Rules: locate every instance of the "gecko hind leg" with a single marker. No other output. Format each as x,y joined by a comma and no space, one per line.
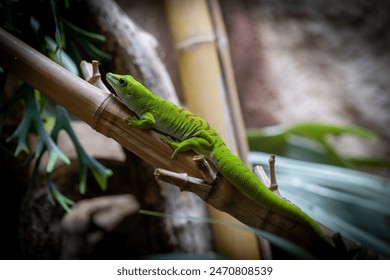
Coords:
199,145
170,141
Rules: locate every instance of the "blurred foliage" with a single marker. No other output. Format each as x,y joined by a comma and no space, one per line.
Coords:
313,174
311,142
354,203
52,27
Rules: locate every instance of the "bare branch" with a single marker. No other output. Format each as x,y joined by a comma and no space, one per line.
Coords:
92,74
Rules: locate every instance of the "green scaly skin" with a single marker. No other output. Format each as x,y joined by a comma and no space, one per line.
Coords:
194,133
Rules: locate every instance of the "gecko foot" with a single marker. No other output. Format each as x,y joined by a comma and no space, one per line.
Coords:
171,142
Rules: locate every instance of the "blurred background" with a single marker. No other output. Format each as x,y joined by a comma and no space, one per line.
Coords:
312,80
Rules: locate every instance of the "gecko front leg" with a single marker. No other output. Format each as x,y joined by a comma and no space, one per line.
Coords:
146,121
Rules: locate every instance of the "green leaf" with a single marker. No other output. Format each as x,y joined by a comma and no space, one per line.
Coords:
20,135
85,40
101,176
86,162
318,131
84,33
94,52
60,56
60,41
308,141
54,193
35,25
54,154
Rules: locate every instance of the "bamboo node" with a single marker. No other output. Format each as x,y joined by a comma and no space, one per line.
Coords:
187,43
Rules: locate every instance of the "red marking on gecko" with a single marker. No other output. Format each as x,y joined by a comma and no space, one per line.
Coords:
208,126
191,120
181,110
189,115
215,134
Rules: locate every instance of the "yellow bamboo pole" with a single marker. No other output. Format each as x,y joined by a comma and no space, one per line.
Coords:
226,67
204,90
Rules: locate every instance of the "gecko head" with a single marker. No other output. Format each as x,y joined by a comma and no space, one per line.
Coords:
122,84
134,94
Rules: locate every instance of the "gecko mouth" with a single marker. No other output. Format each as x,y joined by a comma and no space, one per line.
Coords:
111,77
112,80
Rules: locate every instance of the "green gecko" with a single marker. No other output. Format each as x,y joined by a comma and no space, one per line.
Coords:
189,132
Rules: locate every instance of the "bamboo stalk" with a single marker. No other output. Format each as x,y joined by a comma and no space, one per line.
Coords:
236,117
204,87
224,59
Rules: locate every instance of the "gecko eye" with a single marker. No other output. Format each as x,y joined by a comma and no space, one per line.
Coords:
122,82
